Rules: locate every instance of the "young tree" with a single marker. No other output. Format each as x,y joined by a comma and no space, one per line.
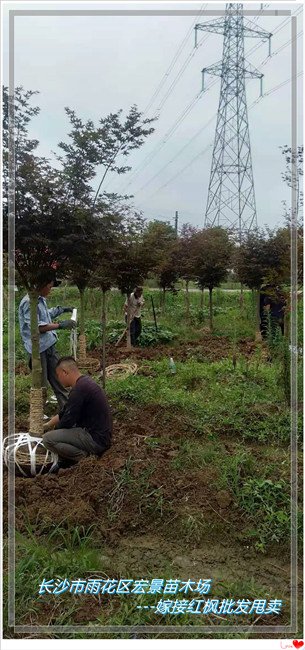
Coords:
79,245
93,148
264,259
160,241
186,251
167,273
90,150
40,223
108,242
212,260
250,266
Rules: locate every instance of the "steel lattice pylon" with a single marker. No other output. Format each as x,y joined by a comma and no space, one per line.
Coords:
231,198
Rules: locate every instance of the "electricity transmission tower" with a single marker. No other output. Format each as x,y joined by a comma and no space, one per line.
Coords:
231,198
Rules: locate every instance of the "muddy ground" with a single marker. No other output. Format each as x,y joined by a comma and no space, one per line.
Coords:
138,501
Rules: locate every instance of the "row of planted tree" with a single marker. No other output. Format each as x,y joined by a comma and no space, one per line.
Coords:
94,238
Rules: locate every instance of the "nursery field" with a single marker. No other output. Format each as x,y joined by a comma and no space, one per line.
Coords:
195,486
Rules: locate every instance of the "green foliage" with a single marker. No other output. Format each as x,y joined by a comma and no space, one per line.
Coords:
268,503
93,334
212,256
214,399
148,337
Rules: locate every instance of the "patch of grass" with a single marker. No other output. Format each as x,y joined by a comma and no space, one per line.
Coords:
195,454
234,468
268,504
193,527
214,399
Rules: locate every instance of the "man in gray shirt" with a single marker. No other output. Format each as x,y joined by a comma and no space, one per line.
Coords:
47,331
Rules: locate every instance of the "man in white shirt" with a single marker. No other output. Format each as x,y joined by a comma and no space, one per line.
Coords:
136,302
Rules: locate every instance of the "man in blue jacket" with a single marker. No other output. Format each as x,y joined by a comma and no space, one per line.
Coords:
47,330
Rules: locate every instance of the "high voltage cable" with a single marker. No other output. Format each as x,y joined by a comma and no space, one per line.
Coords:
167,136
179,152
180,73
138,170
173,62
269,58
187,144
184,65
170,131
201,153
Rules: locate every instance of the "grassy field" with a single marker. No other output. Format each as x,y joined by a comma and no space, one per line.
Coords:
196,484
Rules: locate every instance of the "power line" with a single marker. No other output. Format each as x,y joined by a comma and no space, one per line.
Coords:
167,136
179,152
190,141
173,84
201,153
138,170
173,62
149,157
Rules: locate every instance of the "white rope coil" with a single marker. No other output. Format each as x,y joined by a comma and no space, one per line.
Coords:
120,370
28,451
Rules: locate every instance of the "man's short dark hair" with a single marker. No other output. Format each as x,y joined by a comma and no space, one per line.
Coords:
46,277
69,361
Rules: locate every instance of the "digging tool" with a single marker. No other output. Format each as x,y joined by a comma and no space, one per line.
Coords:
154,313
121,338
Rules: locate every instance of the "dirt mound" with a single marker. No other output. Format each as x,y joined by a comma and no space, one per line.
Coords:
207,348
129,488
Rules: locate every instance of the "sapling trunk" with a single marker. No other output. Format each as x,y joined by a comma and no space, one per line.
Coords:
211,308
241,297
36,396
128,323
82,311
103,338
82,336
286,370
202,299
287,320
258,317
163,299
36,363
187,297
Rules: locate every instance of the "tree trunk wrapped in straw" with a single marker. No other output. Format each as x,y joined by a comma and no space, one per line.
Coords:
36,394
36,411
84,362
82,345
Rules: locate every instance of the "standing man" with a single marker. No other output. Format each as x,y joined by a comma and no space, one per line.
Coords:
47,329
84,426
136,302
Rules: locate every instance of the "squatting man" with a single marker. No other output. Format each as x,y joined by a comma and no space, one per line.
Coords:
84,426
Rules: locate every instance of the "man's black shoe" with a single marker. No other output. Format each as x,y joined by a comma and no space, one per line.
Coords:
62,464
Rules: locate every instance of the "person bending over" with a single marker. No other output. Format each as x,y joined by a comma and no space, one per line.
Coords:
84,425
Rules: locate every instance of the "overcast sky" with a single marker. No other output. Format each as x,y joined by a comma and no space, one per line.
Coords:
97,65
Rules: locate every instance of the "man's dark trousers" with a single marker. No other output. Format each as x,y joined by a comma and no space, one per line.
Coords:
72,444
49,360
135,330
